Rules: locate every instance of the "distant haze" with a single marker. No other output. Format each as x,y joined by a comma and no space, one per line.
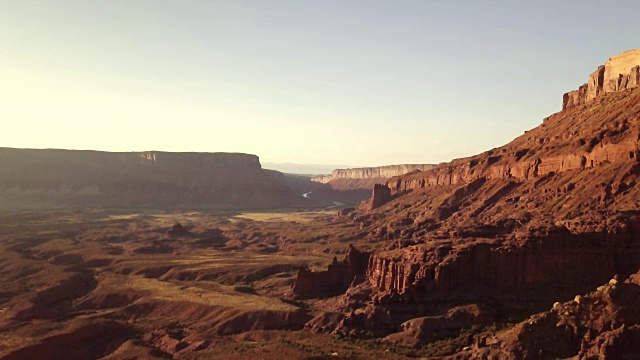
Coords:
308,82
306,169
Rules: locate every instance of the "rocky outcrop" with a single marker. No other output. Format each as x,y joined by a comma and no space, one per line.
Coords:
603,324
381,195
71,178
619,73
419,331
335,280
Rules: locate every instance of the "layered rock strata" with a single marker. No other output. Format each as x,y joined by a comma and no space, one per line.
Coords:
372,172
549,215
551,257
619,73
365,178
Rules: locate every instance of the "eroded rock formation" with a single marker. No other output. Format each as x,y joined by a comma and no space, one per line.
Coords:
619,73
336,279
381,195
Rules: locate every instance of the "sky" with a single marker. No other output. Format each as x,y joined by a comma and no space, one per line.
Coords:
309,81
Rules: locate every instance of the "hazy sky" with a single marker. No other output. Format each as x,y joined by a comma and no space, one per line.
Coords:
306,81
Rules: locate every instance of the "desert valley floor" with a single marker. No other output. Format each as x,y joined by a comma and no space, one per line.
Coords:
135,284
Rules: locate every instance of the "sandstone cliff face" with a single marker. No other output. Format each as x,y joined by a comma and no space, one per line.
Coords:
549,259
365,178
69,178
619,73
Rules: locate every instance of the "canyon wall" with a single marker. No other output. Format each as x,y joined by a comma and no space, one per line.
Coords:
554,257
507,232
619,73
366,178
551,214
372,172
70,178
467,170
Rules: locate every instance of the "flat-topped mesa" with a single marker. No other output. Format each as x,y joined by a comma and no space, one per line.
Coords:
55,178
619,73
201,160
378,172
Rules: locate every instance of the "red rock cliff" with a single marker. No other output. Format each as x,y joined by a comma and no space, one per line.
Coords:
548,215
365,178
372,172
544,258
619,73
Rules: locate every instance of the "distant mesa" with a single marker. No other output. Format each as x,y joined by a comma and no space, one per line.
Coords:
52,178
619,73
302,169
367,177
372,172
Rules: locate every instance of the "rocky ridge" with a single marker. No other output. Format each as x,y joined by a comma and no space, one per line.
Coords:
602,324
